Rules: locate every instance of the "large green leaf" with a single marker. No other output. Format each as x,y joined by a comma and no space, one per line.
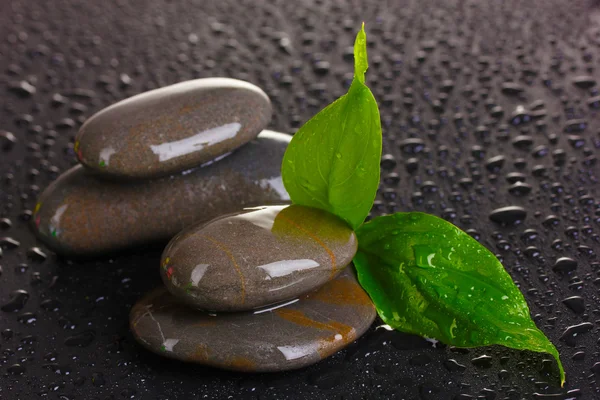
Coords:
429,278
332,162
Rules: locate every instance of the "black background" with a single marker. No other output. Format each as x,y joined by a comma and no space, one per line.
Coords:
71,339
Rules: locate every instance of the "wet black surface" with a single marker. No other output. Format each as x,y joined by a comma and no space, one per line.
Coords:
485,105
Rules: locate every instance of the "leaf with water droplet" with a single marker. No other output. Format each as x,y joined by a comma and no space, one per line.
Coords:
332,162
429,278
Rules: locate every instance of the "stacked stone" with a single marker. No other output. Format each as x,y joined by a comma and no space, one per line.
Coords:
264,289
161,161
267,288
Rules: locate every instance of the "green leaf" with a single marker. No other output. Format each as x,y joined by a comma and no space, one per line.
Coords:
332,162
429,278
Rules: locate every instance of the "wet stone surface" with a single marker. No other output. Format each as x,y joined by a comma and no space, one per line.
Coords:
292,336
83,56
82,215
261,256
172,129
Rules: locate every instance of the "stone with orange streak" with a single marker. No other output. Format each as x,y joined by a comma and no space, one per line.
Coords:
330,345
81,214
200,355
242,364
340,293
257,257
283,337
334,330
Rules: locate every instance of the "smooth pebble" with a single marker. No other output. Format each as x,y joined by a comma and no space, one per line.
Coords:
292,336
173,128
257,257
80,214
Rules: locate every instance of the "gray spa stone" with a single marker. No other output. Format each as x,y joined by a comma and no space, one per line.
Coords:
80,214
292,336
173,128
257,257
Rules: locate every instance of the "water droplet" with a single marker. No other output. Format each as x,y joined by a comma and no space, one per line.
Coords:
18,299
508,215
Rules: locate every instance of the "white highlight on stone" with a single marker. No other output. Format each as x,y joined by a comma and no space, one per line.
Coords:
197,273
275,289
263,217
286,267
275,184
206,164
55,220
295,352
275,307
209,137
170,343
105,155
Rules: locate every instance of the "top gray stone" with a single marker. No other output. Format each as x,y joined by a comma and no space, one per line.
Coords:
173,128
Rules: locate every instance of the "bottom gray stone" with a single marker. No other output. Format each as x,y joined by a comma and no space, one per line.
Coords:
293,335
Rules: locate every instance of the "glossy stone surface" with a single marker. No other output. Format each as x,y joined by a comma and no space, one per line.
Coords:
79,214
173,128
258,257
289,337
